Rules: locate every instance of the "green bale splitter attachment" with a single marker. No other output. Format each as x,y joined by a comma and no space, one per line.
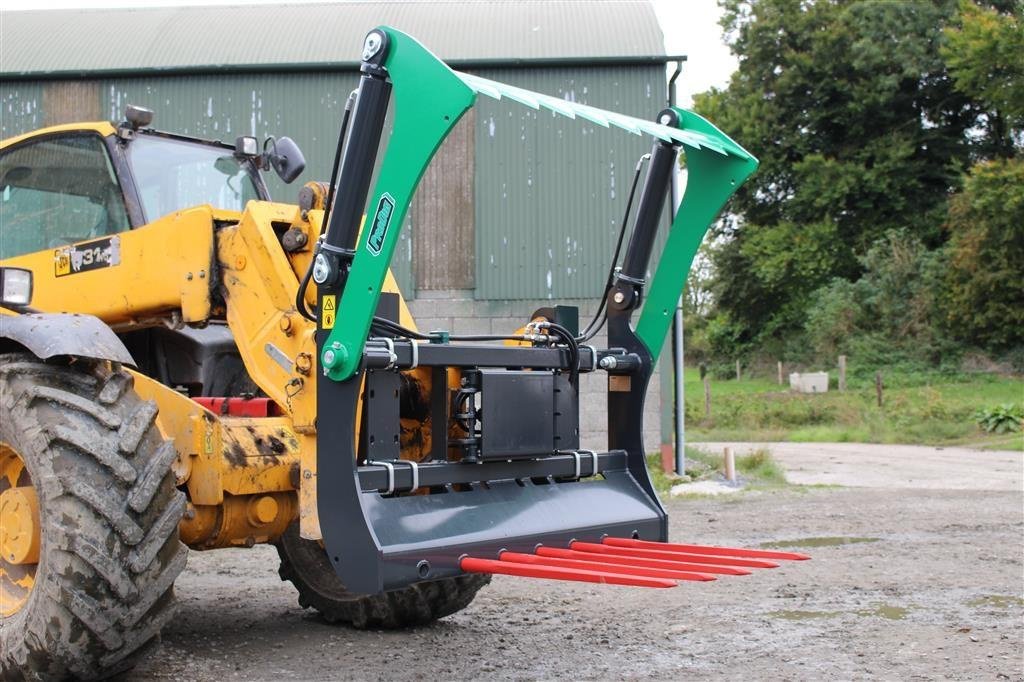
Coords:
505,487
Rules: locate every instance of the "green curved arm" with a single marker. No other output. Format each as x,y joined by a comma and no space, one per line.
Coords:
710,180
429,100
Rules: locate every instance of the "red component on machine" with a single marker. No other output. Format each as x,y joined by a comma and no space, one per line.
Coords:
637,561
237,407
537,560
623,561
705,549
471,565
672,556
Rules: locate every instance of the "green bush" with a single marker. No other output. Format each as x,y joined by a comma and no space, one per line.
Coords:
1005,418
985,300
890,315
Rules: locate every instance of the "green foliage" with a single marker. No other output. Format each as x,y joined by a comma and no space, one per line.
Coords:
920,406
757,469
864,115
889,315
985,53
761,466
1006,418
859,130
985,299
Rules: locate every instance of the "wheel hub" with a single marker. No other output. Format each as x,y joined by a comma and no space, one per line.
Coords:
19,525
20,535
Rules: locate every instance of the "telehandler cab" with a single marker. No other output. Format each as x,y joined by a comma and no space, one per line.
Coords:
185,363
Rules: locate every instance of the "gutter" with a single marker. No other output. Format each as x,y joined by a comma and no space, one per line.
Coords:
332,67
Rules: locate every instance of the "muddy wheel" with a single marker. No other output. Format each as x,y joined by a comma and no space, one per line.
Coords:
88,520
305,564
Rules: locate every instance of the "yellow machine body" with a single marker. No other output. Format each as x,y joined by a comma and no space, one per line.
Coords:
246,478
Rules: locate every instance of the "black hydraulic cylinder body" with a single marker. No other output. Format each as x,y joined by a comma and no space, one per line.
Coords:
652,202
360,156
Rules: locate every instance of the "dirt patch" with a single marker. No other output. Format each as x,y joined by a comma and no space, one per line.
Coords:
868,465
938,595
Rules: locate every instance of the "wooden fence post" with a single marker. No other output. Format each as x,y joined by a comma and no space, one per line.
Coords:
707,398
738,376
842,373
878,387
730,466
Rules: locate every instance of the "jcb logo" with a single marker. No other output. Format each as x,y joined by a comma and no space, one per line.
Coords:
62,262
99,253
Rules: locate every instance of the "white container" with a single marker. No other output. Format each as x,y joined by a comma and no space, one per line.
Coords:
809,382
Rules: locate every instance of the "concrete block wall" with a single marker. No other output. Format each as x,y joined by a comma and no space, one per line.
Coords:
460,313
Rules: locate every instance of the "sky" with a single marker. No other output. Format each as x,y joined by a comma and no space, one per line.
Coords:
690,28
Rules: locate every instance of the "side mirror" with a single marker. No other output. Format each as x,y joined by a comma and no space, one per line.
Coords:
287,159
15,287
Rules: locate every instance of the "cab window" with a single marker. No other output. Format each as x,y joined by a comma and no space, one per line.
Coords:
172,175
57,191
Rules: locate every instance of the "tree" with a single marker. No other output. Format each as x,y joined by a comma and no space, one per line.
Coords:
986,288
860,131
985,297
984,49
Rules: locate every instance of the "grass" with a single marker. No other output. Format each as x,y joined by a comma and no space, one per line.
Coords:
919,408
757,470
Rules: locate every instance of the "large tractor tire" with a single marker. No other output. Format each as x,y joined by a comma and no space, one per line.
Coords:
305,564
88,521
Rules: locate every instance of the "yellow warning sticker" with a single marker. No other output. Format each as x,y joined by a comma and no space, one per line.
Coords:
62,262
328,311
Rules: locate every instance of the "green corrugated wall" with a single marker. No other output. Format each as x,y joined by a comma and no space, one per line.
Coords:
549,191
21,107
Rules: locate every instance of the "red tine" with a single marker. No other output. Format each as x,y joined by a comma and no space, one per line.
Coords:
473,565
518,558
705,549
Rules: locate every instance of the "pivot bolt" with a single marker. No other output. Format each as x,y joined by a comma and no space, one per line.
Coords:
329,357
372,45
608,362
619,297
304,363
321,269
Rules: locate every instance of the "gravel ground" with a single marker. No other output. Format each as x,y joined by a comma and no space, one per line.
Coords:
933,590
865,465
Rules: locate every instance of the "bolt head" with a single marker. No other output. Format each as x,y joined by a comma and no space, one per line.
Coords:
321,269
329,357
372,45
619,297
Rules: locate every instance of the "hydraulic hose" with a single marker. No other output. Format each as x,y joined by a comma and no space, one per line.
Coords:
594,327
300,296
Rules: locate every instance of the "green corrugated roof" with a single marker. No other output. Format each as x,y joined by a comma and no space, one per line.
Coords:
265,37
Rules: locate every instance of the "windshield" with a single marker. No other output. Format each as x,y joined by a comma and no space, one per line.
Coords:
172,175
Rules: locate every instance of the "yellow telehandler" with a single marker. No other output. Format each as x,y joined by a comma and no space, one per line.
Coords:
184,363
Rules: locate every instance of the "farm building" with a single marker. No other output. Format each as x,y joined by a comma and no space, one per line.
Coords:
520,207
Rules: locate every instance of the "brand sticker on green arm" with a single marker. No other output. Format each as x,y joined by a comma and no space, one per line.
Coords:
381,222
